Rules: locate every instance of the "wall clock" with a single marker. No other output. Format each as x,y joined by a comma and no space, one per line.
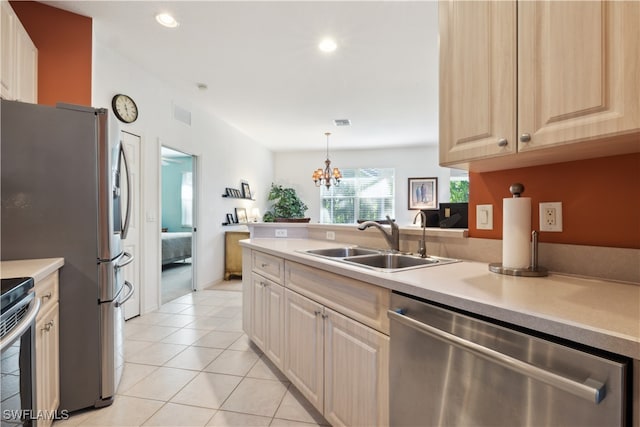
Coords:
124,108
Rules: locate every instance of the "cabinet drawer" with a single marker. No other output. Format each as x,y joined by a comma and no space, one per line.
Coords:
268,266
47,291
366,303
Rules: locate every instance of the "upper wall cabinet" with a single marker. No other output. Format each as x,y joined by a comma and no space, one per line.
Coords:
525,83
18,59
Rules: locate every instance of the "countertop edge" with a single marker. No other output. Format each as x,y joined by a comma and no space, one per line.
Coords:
36,268
608,340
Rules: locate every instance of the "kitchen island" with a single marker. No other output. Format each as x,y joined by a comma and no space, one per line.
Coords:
600,314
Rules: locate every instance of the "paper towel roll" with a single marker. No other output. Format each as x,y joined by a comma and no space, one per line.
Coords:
516,232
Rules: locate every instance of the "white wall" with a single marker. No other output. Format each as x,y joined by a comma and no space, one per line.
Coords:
294,169
224,156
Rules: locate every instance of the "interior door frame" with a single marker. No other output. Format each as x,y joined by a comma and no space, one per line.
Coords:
195,202
140,225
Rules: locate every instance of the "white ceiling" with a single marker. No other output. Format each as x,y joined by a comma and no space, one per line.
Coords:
266,76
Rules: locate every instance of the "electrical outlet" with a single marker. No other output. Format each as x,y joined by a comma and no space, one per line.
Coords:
551,216
331,235
281,232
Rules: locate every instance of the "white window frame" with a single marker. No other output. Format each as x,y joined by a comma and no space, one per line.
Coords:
328,194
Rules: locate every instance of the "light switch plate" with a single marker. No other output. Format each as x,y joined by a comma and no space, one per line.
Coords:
484,217
281,232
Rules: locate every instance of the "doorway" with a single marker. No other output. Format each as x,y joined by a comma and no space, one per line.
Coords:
178,230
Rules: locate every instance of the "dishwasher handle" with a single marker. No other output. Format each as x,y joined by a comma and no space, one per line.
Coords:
590,389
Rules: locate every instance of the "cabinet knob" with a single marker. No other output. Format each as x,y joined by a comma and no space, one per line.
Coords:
48,326
263,265
46,296
525,137
316,312
502,142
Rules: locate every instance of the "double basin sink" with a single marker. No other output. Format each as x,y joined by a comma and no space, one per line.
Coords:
377,259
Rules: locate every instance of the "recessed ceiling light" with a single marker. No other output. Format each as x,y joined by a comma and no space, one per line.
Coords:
166,20
327,45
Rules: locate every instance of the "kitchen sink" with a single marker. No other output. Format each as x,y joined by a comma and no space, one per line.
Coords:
378,259
342,252
397,262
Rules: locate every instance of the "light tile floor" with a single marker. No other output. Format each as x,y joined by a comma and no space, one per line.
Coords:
190,364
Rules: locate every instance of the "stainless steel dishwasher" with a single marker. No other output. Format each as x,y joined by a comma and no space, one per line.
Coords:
451,369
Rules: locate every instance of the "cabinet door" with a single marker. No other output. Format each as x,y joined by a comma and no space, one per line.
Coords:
577,70
274,318
477,79
47,363
247,288
303,346
356,373
258,316
26,77
7,50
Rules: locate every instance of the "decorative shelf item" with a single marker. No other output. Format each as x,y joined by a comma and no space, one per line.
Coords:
234,193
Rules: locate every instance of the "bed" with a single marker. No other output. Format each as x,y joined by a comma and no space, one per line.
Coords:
175,247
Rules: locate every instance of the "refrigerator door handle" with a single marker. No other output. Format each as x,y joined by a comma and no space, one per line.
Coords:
127,296
127,262
127,218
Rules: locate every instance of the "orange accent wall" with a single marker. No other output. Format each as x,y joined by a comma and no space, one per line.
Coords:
600,199
64,41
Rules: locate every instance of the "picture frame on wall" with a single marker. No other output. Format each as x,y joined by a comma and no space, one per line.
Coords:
241,215
423,193
246,191
230,218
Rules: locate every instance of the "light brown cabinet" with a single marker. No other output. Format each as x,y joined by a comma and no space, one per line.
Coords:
19,58
338,364
233,253
537,82
47,348
327,333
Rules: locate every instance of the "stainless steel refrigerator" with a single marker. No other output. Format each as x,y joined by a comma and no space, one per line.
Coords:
64,194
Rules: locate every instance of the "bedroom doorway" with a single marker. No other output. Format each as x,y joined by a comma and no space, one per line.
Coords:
178,190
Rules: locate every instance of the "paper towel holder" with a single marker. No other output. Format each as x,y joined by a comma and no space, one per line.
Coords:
534,270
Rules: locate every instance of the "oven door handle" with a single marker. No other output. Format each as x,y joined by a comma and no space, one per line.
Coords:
126,297
24,324
591,390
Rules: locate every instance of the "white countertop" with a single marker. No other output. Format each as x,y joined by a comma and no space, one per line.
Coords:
36,268
597,313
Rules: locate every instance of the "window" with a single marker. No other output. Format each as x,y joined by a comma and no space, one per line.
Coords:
459,189
186,195
362,194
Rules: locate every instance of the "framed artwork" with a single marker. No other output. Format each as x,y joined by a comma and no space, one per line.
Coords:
228,191
230,218
423,193
241,215
246,191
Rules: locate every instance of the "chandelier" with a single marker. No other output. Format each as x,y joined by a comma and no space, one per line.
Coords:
327,176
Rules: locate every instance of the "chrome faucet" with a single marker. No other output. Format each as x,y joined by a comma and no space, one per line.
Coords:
393,238
422,244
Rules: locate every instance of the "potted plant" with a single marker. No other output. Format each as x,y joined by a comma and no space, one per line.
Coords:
287,206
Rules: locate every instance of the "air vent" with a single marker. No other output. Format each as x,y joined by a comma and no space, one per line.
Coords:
182,115
342,122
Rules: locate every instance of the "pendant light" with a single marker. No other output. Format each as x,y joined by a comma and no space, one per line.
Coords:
327,176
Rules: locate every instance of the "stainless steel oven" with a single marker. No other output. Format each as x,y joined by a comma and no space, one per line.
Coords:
452,369
17,344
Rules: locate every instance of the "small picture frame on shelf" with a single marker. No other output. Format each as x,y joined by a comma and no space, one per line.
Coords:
241,215
230,218
246,191
228,192
236,193
423,193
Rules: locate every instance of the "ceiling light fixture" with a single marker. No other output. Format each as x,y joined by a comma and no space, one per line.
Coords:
327,45
328,176
166,20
